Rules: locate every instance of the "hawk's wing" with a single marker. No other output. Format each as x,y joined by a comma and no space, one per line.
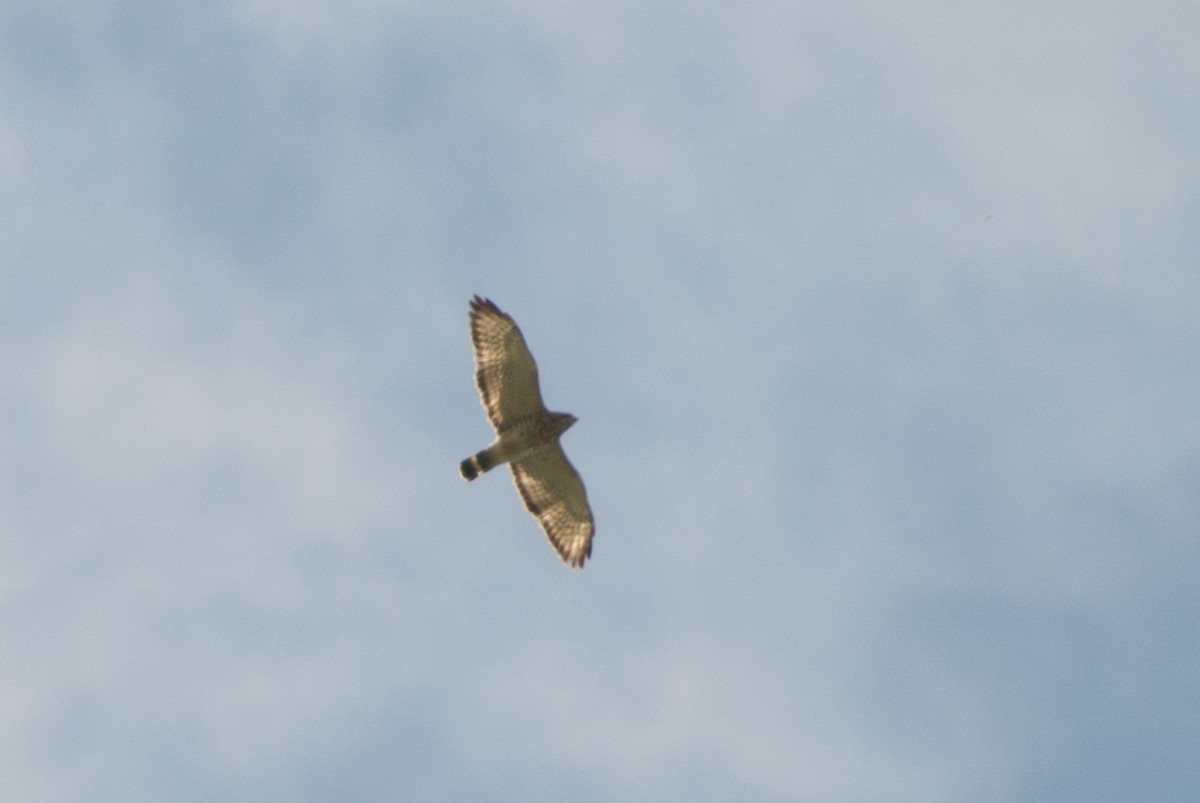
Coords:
505,372
553,492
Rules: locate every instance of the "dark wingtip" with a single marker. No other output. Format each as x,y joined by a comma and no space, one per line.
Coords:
574,561
479,304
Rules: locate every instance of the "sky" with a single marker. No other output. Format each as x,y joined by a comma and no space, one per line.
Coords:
881,322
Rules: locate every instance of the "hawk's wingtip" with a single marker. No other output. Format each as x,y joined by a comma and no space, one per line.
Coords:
577,560
480,303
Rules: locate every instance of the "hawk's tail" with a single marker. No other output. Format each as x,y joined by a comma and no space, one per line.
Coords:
476,464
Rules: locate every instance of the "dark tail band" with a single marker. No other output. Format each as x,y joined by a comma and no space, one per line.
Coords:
475,465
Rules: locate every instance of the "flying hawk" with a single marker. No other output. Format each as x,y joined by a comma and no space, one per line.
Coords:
527,434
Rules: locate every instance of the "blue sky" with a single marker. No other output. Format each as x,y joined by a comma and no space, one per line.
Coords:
882,323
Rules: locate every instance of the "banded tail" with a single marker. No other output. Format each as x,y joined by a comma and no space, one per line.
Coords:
476,464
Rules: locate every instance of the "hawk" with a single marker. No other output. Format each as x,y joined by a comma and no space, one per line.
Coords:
526,434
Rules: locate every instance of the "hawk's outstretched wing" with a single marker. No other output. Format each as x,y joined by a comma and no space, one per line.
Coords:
553,492
505,372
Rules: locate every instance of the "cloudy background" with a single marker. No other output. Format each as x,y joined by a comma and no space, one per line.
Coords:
882,323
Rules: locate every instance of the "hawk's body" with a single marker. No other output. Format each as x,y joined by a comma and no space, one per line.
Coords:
526,434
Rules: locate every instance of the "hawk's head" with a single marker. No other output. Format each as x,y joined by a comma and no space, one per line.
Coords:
561,422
